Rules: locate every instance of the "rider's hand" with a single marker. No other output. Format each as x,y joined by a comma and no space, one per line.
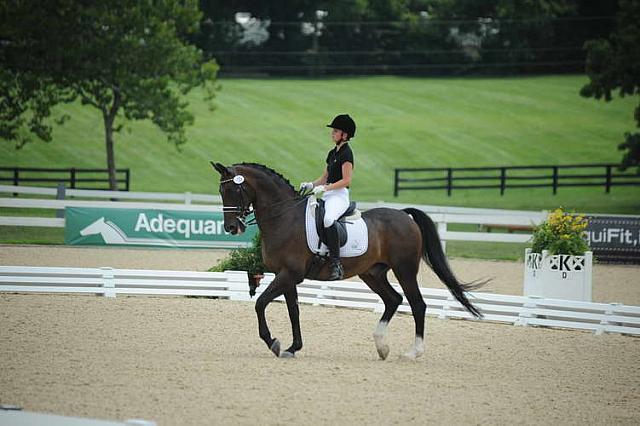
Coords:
318,191
306,186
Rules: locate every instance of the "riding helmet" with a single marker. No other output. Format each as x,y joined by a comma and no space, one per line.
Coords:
345,123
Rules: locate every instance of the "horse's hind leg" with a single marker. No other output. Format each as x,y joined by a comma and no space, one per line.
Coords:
376,279
406,275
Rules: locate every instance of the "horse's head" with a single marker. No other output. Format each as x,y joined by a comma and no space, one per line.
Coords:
237,197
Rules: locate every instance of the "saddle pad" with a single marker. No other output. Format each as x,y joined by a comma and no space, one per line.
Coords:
357,234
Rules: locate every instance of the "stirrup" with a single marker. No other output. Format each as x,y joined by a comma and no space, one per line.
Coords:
336,270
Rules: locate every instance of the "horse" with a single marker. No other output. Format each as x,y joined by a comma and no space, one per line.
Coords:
398,239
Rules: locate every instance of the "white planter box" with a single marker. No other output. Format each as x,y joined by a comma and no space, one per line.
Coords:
559,276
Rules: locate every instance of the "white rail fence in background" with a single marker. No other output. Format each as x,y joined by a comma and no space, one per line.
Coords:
443,216
516,310
186,197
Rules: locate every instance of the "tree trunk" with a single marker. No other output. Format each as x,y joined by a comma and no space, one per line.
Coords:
111,159
109,117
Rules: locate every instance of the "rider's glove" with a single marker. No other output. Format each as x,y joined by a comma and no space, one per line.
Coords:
306,186
318,191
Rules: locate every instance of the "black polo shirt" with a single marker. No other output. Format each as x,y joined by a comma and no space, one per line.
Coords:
335,160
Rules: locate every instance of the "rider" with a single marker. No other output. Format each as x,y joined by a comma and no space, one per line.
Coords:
333,186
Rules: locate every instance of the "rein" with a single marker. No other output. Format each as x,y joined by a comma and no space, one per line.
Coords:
243,210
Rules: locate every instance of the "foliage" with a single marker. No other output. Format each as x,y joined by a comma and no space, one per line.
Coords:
561,233
244,259
614,63
403,36
129,59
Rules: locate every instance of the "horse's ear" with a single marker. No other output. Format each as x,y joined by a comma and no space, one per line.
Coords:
220,168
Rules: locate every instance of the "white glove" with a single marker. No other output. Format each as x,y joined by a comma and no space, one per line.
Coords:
306,186
318,191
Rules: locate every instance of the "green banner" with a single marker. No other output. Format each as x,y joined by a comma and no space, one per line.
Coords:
167,228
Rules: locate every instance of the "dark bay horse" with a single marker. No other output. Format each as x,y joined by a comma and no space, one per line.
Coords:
398,239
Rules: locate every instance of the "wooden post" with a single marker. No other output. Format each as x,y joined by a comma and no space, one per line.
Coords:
395,182
607,184
60,194
555,180
442,230
449,181
503,177
72,179
108,282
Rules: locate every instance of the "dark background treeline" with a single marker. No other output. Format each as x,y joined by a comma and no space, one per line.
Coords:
421,37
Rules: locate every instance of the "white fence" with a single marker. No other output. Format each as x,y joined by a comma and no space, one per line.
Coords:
443,216
186,197
516,310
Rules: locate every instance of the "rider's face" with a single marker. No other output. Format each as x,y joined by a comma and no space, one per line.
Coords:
337,135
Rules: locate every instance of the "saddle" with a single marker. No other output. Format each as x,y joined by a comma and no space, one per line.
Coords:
349,215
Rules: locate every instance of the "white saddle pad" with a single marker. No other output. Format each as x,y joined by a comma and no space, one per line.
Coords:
357,234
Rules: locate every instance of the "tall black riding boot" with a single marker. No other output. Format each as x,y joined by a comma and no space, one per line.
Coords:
335,267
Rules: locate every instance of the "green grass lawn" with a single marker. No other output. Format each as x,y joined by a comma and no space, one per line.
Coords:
402,122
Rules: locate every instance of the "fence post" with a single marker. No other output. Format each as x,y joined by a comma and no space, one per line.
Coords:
238,285
442,230
503,177
555,180
108,282
445,308
60,194
525,313
127,177
395,182
16,179
607,320
72,173
188,197
449,181
607,184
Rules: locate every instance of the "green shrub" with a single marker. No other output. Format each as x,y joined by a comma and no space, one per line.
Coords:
244,259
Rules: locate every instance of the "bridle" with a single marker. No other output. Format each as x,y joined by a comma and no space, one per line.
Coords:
243,210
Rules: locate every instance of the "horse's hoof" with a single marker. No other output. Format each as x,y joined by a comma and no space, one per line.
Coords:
287,354
407,357
275,347
411,355
383,351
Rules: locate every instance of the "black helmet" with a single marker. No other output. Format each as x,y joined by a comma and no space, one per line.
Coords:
345,123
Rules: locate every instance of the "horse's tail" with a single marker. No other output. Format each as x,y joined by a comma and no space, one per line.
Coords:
433,254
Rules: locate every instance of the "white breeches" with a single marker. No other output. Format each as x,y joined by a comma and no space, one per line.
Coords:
336,202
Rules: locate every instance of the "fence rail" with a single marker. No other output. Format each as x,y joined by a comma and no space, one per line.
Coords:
510,177
72,177
517,218
515,310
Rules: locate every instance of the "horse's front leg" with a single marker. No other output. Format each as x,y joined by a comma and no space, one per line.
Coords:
291,296
278,286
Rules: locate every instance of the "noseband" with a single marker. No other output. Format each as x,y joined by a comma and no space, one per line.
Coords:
243,210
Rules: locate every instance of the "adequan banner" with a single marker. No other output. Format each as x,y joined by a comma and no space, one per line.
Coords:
164,228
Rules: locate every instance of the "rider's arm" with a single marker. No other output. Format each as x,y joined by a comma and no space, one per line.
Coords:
347,171
322,179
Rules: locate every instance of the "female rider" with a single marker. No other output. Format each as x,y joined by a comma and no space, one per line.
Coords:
333,186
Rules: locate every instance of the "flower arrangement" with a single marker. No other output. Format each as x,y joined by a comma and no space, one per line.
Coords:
561,233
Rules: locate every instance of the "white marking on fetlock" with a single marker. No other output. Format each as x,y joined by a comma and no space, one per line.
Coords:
378,337
416,351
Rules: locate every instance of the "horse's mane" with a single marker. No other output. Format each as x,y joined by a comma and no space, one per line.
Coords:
269,171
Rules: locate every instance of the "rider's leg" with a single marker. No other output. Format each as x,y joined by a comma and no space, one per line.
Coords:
336,203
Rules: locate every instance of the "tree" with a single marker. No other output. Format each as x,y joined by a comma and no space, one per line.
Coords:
127,58
614,64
